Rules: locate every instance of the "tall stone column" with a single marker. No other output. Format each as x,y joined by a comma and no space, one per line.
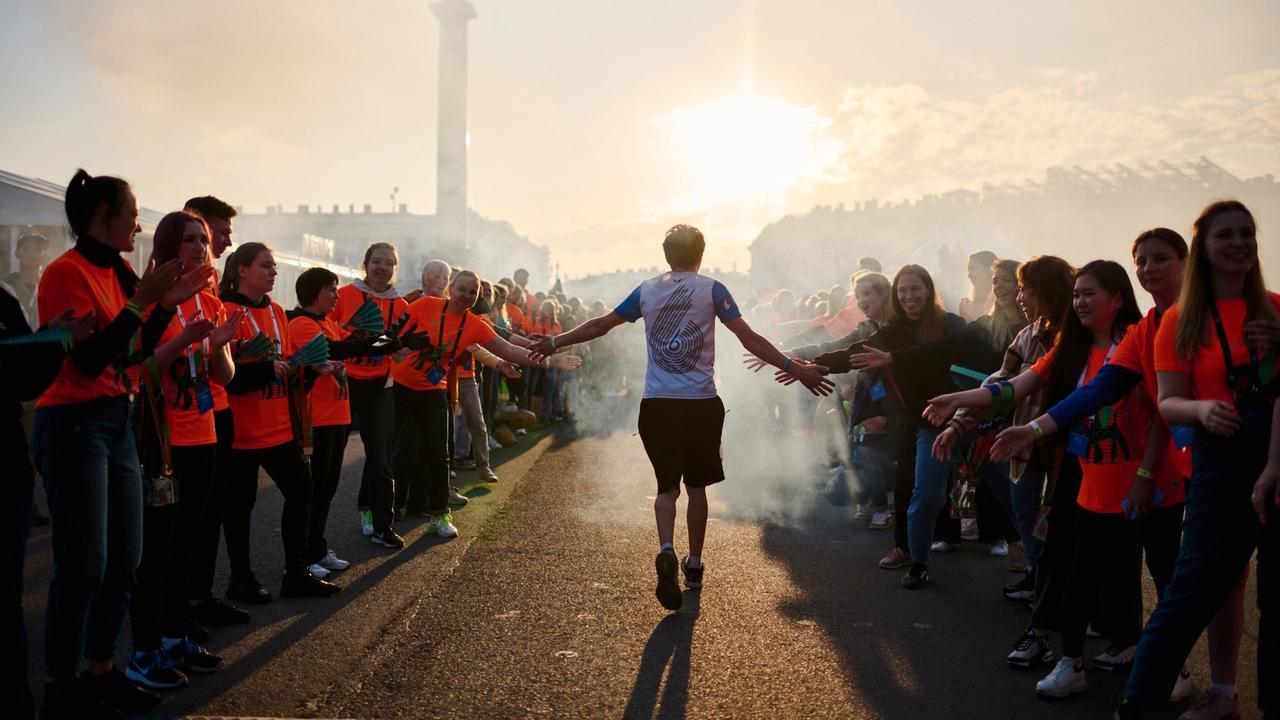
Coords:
451,127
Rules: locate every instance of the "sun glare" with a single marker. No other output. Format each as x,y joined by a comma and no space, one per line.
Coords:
745,149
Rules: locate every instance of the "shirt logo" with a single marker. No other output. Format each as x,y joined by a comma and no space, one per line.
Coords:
675,343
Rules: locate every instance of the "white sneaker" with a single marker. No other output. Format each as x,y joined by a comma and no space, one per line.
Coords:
1064,680
1115,658
522,431
366,522
942,546
330,561
1000,549
318,570
1213,705
1182,687
494,444
453,474
442,525
457,498
488,475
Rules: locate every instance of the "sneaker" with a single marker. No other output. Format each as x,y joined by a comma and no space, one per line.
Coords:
1090,632
247,589
366,522
488,475
861,512
692,575
155,670
189,656
318,570
942,546
969,529
916,577
494,444
304,584
442,525
120,692
881,520
1000,549
668,591
76,700
457,498
1115,658
1212,705
1063,680
1024,589
1182,687
387,538
522,431
1017,558
1031,649
332,562
453,475
215,611
895,558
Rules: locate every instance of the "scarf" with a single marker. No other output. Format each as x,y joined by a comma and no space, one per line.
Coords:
391,293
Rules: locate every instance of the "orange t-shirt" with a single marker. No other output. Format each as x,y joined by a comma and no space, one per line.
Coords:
71,281
1117,440
188,426
516,317
467,361
459,331
262,417
220,401
1208,370
1136,352
330,398
350,298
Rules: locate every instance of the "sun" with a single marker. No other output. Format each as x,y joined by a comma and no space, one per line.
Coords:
745,149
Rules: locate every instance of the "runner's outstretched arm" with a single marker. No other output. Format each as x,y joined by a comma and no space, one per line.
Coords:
811,376
587,331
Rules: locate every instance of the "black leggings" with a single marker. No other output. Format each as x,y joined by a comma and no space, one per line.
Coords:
170,536
287,469
1107,558
422,450
329,443
1054,566
208,528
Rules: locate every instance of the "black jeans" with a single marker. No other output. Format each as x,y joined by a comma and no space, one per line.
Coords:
1161,531
288,470
1056,556
1219,535
373,407
422,449
169,535
329,443
208,528
1107,559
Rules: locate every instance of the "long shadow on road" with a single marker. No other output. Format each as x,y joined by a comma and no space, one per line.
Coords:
667,653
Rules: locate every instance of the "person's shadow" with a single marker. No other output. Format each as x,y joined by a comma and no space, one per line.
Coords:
667,652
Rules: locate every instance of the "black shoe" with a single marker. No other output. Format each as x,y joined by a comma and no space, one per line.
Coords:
197,632
190,656
668,591
1024,589
75,701
304,584
917,575
218,612
692,576
121,693
38,519
247,589
387,538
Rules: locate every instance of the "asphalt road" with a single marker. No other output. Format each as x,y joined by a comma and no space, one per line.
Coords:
544,607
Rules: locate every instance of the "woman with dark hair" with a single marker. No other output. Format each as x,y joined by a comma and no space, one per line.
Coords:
1215,365
191,356
369,382
85,447
264,430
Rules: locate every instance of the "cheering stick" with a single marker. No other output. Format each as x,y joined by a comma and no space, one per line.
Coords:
367,318
258,346
315,352
59,335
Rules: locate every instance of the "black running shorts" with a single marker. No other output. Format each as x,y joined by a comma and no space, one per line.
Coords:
682,439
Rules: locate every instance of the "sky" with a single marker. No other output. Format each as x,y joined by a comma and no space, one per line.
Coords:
595,124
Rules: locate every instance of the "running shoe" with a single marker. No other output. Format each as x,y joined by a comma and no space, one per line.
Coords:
457,498
1212,705
387,538
442,525
155,670
1115,658
332,562
304,584
1063,680
488,475
318,570
1000,549
861,512
942,546
881,520
191,657
1182,687
668,590
692,575
1031,649
895,558
916,577
1024,589
366,522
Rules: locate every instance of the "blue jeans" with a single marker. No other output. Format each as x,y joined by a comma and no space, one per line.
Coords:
1021,503
927,497
89,463
1220,532
873,468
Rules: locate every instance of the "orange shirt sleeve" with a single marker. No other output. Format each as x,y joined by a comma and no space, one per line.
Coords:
1166,354
1044,365
1128,353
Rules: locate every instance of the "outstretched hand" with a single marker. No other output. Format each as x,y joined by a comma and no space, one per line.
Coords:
1013,442
940,409
813,377
870,358
540,347
566,363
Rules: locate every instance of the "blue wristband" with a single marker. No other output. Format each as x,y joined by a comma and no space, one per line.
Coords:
994,389
786,366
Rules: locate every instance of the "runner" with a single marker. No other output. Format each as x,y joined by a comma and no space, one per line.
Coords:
681,416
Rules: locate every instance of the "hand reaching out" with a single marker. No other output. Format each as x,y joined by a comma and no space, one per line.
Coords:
813,377
509,369
870,358
566,363
940,409
1013,442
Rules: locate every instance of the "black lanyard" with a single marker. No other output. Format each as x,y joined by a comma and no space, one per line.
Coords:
453,351
1232,377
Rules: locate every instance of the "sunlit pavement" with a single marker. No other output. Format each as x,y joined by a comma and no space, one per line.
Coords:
544,607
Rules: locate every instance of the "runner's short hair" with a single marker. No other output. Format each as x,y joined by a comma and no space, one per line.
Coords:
683,246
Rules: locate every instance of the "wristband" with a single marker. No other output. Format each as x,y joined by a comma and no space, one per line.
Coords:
553,343
546,363
134,308
786,366
1146,474
994,389
1035,428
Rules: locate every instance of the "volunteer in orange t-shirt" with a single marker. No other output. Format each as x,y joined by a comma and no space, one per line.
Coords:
438,331
1215,361
92,475
324,414
369,381
1111,449
264,431
191,356
472,419
546,323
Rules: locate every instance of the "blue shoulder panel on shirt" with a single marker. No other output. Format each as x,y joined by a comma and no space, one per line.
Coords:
726,308
629,310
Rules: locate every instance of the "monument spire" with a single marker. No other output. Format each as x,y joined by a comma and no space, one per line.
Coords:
451,126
